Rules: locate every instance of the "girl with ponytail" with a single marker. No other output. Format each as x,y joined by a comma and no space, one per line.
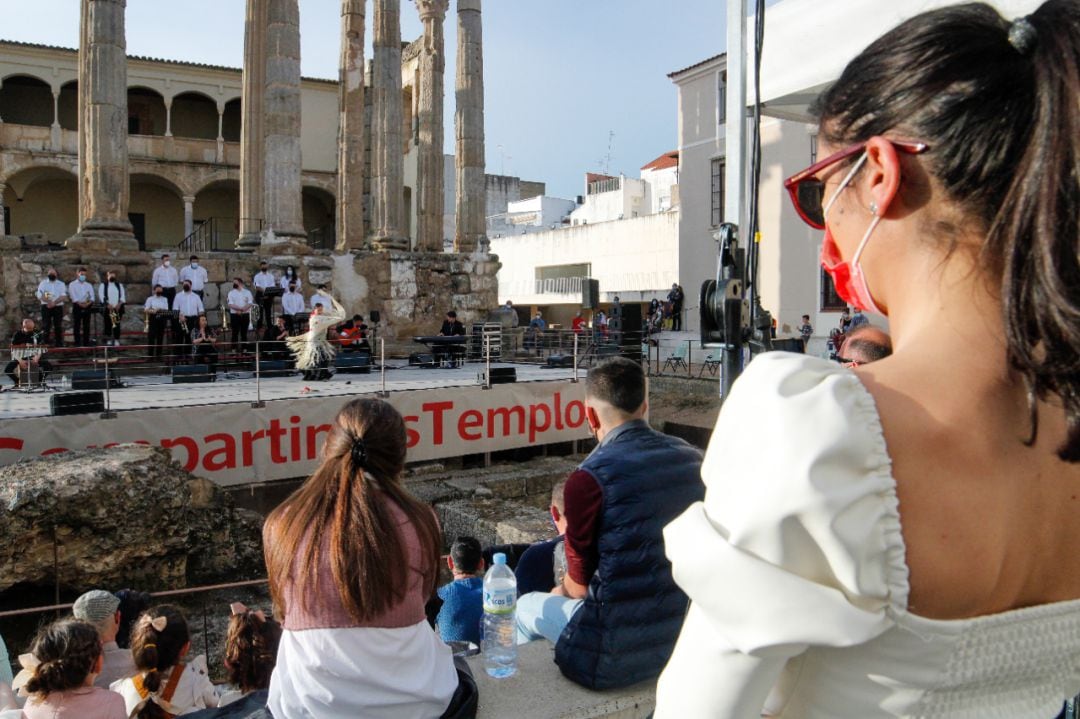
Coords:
165,685
58,675
909,548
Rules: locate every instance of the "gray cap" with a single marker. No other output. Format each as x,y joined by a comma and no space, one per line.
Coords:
95,606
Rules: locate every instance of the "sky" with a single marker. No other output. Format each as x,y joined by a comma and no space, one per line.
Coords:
560,75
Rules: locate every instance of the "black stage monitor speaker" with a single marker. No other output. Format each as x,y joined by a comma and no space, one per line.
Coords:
421,359
77,403
503,375
191,373
560,361
374,316
590,294
275,368
93,379
630,339
353,362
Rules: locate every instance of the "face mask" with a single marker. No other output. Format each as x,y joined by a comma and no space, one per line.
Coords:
262,269
848,277
236,286
194,265
292,288
157,294
165,263
82,278
187,288
52,278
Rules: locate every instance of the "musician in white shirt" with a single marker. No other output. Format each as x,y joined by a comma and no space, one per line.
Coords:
166,276
264,280
190,306
81,293
289,277
112,298
292,303
155,304
240,302
52,292
196,275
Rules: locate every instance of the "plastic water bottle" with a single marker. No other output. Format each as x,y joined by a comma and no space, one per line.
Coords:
499,643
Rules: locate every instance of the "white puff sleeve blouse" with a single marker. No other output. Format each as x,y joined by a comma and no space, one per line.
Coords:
795,567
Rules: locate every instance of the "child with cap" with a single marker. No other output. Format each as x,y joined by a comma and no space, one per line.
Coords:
101,610
463,598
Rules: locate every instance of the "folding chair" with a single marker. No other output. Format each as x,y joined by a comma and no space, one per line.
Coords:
677,358
711,363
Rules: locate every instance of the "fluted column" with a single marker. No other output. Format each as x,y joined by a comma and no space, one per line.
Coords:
251,124
189,215
470,231
388,162
350,201
430,180
104,190
283,204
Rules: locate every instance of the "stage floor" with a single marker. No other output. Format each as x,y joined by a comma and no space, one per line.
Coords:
157,391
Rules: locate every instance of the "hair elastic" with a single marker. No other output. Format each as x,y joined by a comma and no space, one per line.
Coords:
359,452
1022,35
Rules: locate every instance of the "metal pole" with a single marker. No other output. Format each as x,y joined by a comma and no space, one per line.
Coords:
689,357
108,413
382,366
487,355
258,403
575,357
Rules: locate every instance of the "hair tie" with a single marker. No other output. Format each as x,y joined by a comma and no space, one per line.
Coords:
147,646
1022,35
359,453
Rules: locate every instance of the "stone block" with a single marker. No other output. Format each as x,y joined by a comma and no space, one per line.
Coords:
10,242
461,284
319,262
215,269
320,277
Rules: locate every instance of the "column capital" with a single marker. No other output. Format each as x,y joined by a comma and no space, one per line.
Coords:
188,199
353,7
432,9
464,5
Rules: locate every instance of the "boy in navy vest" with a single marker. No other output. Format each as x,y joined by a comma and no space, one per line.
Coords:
615,617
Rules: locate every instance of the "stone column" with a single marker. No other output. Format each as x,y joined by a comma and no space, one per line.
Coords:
470,231
429,180
388,162
104,187
189,215
220,138
168,117
251,125
3,188
350,200
270,154
54,131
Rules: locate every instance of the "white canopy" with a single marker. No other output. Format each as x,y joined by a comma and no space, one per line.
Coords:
809,42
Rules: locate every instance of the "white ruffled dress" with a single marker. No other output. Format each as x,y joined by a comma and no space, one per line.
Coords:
795,565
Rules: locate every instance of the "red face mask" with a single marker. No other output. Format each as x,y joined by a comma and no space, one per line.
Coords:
848,277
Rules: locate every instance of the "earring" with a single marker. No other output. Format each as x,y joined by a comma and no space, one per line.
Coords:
873,208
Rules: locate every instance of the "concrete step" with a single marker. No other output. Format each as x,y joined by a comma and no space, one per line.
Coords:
539,691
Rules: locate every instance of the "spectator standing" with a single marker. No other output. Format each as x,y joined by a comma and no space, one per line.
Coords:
101,610
806,331
463,599
675,297
617,503
578,323
858,320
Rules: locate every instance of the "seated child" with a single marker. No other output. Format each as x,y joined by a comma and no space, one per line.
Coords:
463,599
251,647
164,684
58,675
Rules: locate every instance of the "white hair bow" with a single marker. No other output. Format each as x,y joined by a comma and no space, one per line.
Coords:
29,663
241,608
158,623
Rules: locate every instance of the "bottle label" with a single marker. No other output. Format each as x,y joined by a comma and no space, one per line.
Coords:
500,601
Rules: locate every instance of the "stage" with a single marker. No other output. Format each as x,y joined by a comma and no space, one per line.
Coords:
221,431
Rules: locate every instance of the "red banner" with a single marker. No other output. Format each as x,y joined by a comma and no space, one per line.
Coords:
238,444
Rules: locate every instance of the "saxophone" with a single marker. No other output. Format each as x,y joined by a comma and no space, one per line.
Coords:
253,316
114,315
146,321
224,317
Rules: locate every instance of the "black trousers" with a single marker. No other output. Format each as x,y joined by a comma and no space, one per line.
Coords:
80,325
676,317
9,370
239,325
156,337
53,318
266,304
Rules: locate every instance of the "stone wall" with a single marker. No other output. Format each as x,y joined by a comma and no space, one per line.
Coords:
411,291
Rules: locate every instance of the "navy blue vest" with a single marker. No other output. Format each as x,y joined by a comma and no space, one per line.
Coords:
626,629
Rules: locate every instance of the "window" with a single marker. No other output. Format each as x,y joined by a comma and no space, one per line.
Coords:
721,97
830,300
717,191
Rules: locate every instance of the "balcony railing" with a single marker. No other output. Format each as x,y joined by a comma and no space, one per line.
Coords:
559,286
218,234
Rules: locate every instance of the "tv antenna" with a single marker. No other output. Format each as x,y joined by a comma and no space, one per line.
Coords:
605,161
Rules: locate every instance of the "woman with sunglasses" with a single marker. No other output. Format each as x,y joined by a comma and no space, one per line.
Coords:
908,547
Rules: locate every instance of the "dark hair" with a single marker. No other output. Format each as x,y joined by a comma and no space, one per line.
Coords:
451,313
618,381
67,650
132,604
157,651
467,554
1003,125
194,257
862,346
251,646
344,510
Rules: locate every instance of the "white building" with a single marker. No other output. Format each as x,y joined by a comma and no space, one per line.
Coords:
534,214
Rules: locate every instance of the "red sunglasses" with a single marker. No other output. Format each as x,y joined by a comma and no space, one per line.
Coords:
808,192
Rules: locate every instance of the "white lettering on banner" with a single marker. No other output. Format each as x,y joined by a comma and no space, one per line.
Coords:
235,444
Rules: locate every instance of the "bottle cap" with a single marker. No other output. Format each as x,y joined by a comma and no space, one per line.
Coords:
498,558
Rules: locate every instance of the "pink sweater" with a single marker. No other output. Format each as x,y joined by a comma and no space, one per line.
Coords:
82,703
327,612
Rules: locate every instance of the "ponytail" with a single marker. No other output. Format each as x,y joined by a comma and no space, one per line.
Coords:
66,651
158,640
